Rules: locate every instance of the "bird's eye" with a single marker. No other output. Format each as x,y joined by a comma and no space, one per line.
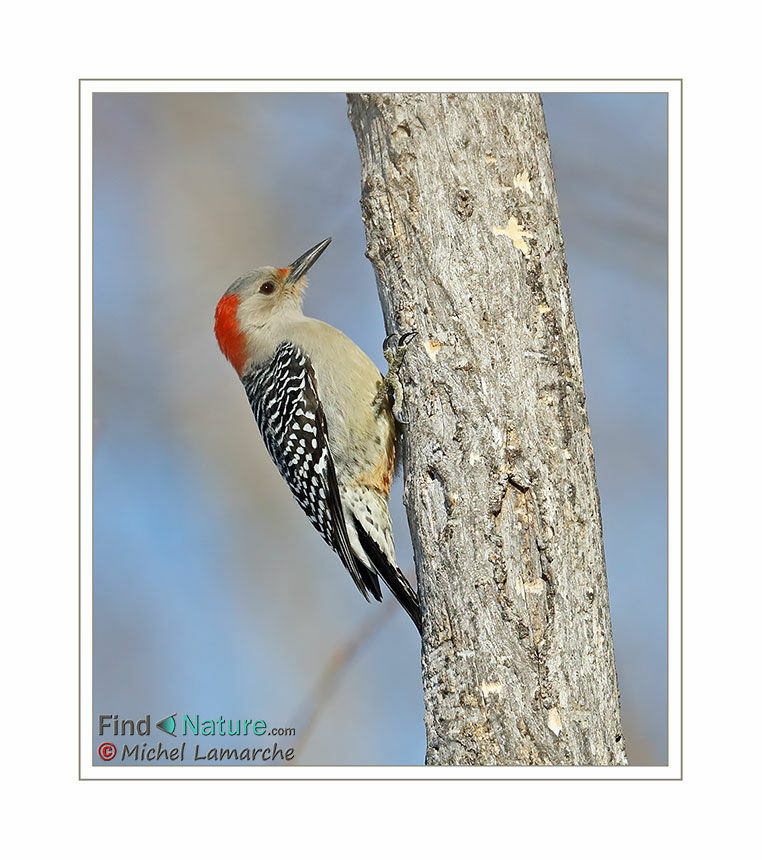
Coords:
267,288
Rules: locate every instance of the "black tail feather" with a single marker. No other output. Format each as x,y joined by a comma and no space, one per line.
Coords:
393,577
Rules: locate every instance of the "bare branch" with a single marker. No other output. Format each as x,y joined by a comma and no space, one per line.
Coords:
335,669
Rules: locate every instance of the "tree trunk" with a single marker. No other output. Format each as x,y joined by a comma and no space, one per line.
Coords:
461,217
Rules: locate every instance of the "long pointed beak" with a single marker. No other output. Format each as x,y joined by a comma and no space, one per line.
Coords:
300,265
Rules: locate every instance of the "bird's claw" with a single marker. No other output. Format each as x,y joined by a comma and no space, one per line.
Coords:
395,346
389,342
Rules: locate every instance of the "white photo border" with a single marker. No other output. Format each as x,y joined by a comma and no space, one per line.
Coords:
673,89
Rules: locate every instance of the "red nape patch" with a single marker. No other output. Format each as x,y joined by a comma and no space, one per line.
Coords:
231,340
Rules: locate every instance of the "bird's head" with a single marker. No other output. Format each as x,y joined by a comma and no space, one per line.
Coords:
254,306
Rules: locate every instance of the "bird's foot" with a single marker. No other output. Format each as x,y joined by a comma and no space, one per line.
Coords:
395,347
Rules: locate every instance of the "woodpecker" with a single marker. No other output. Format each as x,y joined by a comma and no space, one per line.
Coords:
325,416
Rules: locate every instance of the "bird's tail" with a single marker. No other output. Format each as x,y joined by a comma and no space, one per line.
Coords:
393,577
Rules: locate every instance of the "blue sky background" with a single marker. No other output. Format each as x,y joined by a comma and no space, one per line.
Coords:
213,594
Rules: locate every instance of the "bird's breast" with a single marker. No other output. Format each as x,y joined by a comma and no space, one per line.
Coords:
361,435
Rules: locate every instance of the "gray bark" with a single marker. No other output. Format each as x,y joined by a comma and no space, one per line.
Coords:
461,217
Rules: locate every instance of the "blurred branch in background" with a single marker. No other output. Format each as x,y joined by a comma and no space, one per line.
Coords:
334,671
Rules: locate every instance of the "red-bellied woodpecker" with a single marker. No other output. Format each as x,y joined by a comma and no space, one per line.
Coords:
325,417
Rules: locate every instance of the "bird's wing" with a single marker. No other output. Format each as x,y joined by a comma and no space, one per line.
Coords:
284,398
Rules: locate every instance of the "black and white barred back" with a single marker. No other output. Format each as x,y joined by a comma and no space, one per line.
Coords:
284,398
